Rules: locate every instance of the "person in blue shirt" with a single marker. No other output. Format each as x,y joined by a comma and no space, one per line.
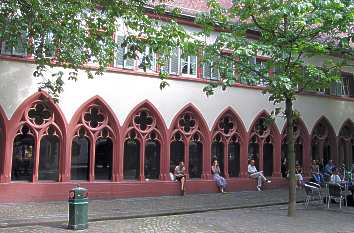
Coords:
328,170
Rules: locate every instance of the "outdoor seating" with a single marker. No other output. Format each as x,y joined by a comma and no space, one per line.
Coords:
313,191
335,191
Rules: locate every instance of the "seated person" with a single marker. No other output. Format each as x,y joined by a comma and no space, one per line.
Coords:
298,176
328,170
315,172
219,180
253,173
335,179
180,175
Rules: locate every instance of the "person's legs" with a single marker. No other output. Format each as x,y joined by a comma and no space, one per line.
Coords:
183,179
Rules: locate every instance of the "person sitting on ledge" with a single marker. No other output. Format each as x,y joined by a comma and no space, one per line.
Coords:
253,173
180,176
219,180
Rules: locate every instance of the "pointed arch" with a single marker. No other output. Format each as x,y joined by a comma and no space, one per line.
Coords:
3,123
229,143
301,146
324,141
265,145
99,125
148,122
191,123
40,113
346,144
263,114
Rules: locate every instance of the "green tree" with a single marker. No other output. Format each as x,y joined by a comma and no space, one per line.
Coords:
287,33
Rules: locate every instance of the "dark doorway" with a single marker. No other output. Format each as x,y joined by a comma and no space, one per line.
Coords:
103,159
195,159
152,160
234,159
23,156
131,159
217,152
49,158
268,159
80,158
176,154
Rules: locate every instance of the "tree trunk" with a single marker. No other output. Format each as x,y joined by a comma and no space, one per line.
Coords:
291,157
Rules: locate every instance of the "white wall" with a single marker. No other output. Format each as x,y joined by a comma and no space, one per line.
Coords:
123,92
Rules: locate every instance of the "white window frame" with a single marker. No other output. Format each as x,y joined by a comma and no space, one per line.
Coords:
125,66
153,67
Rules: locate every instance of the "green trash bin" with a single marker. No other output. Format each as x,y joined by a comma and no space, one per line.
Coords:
78,208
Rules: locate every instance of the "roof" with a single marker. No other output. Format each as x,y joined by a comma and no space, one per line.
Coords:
193,7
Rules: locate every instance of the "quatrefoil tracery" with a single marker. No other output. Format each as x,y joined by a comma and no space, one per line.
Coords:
321,131
260,129
39,113
226,125
187,123
144,120
94,117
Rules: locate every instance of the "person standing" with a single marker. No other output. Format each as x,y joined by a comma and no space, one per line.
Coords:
253,173
219,180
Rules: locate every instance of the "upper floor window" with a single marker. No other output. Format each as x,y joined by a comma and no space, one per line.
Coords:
18,48
181,64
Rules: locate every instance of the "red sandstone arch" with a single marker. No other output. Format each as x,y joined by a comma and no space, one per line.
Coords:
346,144
301,136
270,135
201,128
110,124
239,131
3,124
157,126
322,137
20,116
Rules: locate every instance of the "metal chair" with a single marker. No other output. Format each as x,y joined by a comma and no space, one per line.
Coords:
335,191
312,190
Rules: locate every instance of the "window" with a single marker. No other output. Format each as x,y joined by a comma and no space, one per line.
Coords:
176,151
80,157
147,58
195,157
217,152
152,159
121,59
143,137
179,64
92,143
49,157
103,158
209,72
38,139
19,48
188,137
23,155
131,158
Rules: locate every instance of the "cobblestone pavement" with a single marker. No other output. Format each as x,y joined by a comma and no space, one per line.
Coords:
14,214
316,219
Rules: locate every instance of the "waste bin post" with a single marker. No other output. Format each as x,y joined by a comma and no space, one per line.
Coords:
78,208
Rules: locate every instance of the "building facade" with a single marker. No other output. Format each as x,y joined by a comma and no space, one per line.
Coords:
119,135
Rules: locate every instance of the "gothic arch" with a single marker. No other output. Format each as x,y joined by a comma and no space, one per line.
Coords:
149,129
301,143
92,124
43,117
229,139
3,124
346,144
265,145
189,122
323,141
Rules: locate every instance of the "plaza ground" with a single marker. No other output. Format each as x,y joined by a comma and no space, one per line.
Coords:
248,211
